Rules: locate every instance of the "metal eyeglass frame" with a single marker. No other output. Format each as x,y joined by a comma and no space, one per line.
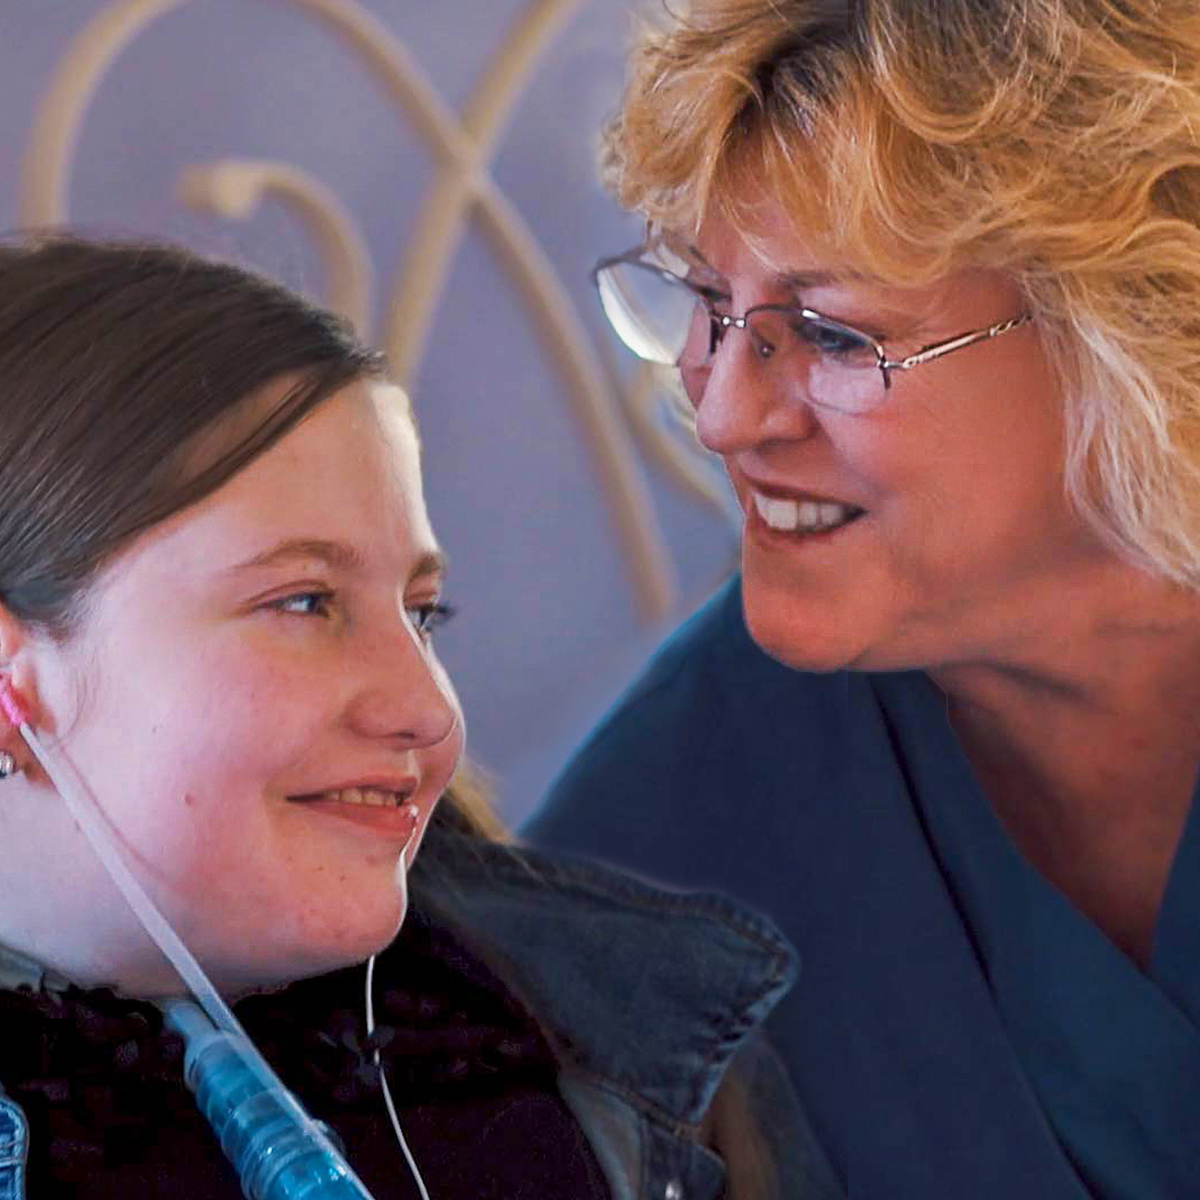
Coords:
722,322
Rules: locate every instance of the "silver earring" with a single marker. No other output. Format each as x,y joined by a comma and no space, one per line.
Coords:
8,764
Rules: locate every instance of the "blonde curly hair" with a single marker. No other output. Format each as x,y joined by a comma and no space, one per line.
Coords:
1056,140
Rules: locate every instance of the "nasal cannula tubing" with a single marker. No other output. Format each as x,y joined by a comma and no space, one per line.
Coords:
86,810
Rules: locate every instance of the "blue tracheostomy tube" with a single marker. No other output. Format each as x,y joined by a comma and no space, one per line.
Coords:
279,1151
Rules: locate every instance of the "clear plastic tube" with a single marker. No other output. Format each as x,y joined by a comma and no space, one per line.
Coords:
279,1151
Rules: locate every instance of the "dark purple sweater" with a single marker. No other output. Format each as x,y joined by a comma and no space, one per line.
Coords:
100,1082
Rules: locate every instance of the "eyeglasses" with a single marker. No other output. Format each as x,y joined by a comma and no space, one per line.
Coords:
666,318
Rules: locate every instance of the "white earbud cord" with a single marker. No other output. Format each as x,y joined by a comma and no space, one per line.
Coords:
387,1092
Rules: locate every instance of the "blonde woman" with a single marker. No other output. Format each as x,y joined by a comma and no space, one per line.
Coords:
930,276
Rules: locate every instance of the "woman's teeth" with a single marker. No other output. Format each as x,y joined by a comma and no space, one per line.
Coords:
802,516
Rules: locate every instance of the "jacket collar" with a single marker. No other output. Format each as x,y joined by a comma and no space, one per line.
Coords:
651,990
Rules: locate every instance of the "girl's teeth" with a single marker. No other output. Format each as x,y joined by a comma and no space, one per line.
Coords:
806,516
371,797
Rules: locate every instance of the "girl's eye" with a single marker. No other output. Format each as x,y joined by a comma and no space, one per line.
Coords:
304,604
428,617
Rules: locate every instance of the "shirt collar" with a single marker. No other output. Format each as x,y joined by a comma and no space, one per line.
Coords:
653,990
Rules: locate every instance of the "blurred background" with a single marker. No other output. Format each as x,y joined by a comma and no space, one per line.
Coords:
431,170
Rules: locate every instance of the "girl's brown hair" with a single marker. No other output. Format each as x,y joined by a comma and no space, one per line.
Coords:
131,378
127,375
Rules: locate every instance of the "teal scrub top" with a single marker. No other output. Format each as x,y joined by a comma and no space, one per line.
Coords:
957,1029
1112,1053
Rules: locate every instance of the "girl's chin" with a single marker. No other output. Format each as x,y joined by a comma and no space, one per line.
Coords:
331,949
355,946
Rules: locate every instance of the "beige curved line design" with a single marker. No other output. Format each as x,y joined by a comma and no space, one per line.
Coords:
438,230
101,41
235,188
55,135
438,234
568,344
462,173
672,454
44,180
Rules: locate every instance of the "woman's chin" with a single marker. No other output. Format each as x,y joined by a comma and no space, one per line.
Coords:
794,639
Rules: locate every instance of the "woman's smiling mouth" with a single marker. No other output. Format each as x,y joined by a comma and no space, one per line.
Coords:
785,515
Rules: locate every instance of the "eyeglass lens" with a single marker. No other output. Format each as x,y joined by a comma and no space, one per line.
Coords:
663,320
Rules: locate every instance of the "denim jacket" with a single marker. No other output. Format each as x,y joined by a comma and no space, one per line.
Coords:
649,997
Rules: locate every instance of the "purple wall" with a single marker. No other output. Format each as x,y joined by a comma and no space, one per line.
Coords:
548,629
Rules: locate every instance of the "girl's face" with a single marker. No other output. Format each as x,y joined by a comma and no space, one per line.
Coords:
254,698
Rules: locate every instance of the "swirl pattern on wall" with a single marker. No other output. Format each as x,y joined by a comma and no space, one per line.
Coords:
611,413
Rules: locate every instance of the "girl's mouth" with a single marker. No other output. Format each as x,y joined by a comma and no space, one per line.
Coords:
390,814
370,797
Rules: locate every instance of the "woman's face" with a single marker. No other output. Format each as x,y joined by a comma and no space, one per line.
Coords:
965,537
254,697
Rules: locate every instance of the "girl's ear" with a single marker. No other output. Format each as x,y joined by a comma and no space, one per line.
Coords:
17,680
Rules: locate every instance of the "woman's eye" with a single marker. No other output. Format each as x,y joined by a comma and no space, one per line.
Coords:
428,617
304,604
830,340
714,297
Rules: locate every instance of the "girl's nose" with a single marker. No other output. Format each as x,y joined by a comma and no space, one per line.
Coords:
407,696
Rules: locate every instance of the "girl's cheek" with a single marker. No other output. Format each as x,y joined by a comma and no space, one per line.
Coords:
266,698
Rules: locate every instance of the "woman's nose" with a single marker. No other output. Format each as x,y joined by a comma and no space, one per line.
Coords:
405,695
743,400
